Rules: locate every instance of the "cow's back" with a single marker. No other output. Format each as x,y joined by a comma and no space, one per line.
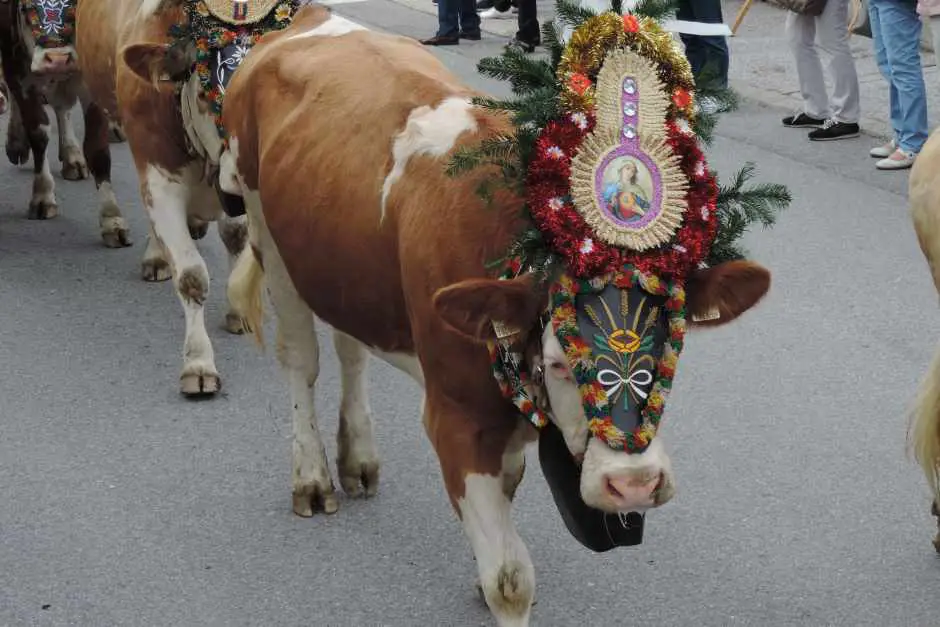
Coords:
102,28
316,119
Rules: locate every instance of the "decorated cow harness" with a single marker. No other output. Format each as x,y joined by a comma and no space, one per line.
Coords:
223,32
623,208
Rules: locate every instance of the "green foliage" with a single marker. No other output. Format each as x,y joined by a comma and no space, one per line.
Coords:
739,207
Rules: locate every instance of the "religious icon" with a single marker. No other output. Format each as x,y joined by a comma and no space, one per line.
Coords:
627,189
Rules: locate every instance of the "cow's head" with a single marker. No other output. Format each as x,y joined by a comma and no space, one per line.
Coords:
613,479
48,33
165,64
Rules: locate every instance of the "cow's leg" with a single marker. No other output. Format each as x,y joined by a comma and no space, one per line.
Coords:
42,205
114,230
17,142
4,96
154,266
166,197
935,510
474,472
74,167
234,234
357,460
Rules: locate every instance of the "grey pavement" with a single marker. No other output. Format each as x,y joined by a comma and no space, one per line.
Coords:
123,504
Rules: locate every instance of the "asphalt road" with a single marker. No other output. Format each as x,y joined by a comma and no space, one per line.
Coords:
123,504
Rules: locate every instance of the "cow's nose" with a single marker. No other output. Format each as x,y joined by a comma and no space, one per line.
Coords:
632,489
57,59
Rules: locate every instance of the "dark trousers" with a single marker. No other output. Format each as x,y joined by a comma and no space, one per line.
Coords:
529,30
703,52
457,16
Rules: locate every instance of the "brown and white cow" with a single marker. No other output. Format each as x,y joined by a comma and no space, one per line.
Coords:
174,144
37,73
339,142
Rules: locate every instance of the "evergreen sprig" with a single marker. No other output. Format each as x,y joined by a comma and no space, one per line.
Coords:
739,207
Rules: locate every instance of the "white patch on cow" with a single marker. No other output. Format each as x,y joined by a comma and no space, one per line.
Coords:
230,181
43,183
563,394
602,463
332,27
503,563
170,196
200,126
428,132
109,218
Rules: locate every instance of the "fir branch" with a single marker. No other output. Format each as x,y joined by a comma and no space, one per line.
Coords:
659,10
616,6
738,208
551,39
523,73
498,150
571,14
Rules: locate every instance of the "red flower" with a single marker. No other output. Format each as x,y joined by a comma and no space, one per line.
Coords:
681,97
579,83
630,23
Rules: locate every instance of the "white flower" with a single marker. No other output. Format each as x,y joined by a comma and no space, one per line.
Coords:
681,249
587,246
705,213
700,168
556,203
683,125
555,152
579,119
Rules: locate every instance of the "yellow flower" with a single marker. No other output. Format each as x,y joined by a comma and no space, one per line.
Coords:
202,9
282,12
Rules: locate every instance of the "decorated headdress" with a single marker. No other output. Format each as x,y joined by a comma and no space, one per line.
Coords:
52,22
622,209
223,32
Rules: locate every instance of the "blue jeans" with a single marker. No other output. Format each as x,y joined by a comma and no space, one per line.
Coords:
895,29
450,12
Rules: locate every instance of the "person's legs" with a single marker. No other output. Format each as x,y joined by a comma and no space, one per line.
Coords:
801,34
447,20
833,34
705,54
900,28
529,34
881,57
469,19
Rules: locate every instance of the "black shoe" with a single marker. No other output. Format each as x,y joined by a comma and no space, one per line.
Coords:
477,36
801,120
524,46
834,130
437,40
483,5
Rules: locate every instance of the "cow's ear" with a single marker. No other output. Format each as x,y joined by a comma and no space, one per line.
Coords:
155,63
472,307
719,294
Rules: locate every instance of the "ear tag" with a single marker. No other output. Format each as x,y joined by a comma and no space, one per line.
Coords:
504,332
711,314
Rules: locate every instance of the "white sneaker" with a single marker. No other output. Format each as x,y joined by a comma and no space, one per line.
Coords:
493,13
897,160
882,152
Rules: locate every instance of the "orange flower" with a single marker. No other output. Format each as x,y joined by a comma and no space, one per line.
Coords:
579,83
682,98
630,23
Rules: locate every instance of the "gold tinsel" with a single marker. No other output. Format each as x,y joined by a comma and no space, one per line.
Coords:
590,43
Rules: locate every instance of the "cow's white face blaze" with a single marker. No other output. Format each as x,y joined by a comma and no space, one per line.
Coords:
48,28
612,481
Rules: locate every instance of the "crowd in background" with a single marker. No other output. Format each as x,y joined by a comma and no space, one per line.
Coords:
811,26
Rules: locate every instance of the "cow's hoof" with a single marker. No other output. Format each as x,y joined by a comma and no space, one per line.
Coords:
355,477
196,384
310,498
118,238
482,596
17,153
234,324
198,229
76,170
42,210
155,270
116,134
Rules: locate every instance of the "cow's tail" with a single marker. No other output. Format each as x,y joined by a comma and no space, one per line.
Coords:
244,293
925,428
